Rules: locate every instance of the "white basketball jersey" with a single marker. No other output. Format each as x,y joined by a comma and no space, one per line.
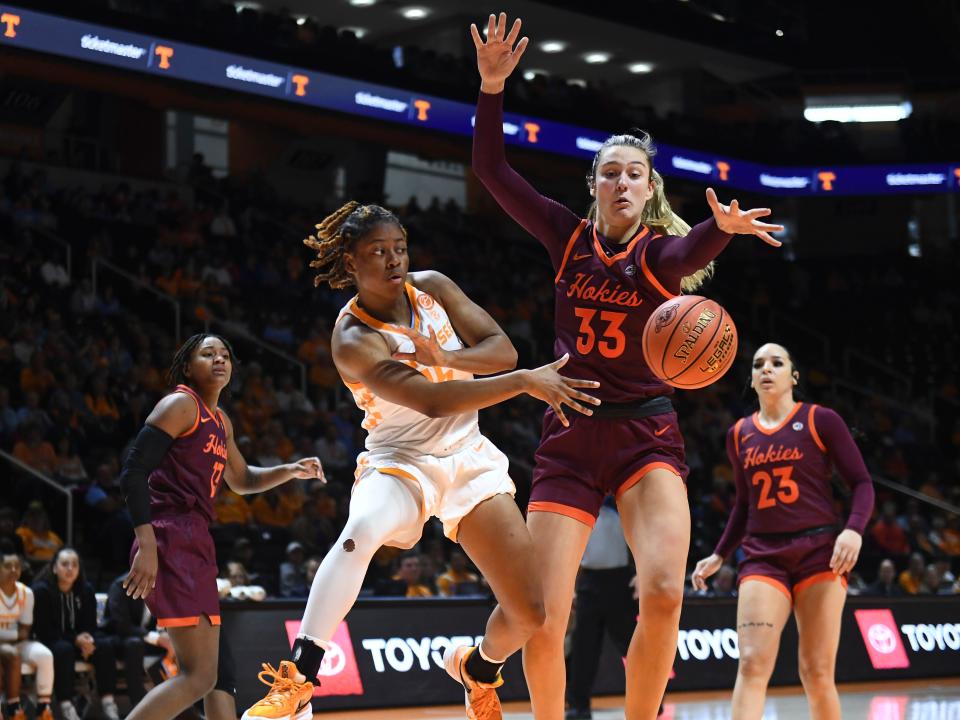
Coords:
396,426
15,610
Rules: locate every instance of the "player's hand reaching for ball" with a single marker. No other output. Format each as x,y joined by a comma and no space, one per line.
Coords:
547,384
731,219
704,569
307,469
496,56
846,550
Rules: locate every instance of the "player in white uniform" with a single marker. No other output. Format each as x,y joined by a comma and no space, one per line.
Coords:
408,346
16,617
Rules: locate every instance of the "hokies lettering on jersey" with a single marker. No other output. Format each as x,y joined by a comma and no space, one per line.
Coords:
787,473
190,473
602,302
390,425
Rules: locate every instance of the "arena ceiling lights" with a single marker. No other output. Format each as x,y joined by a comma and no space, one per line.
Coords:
860,109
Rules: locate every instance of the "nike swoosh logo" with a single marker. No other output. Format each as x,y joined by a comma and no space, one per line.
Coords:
661,431
747,437
477,448
581,257
205,419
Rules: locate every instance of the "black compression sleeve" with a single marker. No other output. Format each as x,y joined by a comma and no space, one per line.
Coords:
145,454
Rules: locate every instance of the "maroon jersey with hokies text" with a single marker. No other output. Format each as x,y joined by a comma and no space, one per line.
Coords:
605,291
190,473
783,475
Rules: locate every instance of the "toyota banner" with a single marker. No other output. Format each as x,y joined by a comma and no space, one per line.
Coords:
390,652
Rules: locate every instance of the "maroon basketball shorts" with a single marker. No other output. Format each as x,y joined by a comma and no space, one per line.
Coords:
577,466
187,572
790,564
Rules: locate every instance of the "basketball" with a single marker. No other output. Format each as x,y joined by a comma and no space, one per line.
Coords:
689,342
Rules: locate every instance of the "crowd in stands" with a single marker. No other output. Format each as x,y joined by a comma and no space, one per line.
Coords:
308,42
81,369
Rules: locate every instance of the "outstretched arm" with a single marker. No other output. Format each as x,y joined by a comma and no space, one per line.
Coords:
361,355
244,479
548,221
682,256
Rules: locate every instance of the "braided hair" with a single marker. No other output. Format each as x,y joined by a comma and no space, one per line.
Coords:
336,235
177,374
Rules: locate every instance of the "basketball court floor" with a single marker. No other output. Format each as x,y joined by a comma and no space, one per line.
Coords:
937,699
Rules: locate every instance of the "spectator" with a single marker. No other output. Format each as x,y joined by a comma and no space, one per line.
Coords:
36,452
40,543
333,454
69,465
16,619
8,530
458,580
724,584
887,534
128,624
931,583
310,570
886,583
65,620
409,573
912,577
112,525
293,579
278,507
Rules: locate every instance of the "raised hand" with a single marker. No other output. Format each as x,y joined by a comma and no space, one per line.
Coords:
545,383
704,569
426,350
730,218
497,57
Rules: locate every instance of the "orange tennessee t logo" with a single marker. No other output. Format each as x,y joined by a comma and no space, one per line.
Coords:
956,174
164,53
422,106
301,82
724,169
826,179
532,130
11,21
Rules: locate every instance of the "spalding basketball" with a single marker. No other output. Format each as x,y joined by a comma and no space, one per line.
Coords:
689,342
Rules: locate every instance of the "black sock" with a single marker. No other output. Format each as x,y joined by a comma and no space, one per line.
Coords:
13,707
307,656
481,669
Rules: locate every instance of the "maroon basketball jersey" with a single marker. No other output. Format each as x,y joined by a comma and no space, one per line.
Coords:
787,473
190,473
602,304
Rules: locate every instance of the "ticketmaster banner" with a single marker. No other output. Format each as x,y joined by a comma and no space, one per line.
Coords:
390,652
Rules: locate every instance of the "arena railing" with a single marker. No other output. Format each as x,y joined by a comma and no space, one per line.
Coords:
98,262
49,482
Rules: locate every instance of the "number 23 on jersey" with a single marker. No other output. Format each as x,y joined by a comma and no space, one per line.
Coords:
779,488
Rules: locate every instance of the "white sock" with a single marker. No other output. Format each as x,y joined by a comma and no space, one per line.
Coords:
382,507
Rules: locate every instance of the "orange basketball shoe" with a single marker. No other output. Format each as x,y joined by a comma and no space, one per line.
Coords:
287,699
481,698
